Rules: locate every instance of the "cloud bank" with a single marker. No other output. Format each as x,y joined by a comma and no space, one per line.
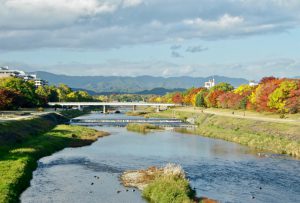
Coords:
105,24
249,70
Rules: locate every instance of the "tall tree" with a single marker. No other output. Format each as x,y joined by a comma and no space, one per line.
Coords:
25,88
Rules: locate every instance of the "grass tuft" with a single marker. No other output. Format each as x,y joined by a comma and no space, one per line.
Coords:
142,128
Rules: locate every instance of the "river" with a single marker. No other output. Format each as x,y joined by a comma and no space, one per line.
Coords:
217,169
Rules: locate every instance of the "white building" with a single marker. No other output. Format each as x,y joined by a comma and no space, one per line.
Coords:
39,82
6,72
252,83
210,84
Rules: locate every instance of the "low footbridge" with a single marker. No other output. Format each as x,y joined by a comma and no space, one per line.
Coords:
80,105
165,122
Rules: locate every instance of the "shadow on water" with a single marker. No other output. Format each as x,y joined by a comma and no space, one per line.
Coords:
84,162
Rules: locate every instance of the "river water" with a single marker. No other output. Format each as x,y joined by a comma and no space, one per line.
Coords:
217,169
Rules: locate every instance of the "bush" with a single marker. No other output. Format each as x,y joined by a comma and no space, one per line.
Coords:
169,188
143,128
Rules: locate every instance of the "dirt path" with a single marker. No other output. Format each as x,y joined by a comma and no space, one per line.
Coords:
239,114
12,116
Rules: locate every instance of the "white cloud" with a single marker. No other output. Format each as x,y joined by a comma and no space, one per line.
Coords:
283,67
226,21
102,24
40,14
131,3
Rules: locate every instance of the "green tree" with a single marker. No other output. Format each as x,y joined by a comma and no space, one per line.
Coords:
84,96
46,94
63,91
25,88
200,98
223,86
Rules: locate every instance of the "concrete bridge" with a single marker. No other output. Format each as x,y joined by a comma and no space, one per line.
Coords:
80,105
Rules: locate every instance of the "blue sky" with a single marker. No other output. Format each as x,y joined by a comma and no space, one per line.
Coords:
237,38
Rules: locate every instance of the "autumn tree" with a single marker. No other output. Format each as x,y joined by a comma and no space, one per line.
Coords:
211,98
10,99
293,102
232,100
278,98
244,90
260,97
177,98
265,80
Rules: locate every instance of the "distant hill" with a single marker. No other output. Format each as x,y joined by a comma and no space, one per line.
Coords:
88,91
132,84
155,91
160,91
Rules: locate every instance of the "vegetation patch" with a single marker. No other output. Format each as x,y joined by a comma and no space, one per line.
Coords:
136,113
142,127
73,113
167,184
18,160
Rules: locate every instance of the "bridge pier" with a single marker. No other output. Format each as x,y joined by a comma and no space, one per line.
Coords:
134,108
158,109
104,109
80,108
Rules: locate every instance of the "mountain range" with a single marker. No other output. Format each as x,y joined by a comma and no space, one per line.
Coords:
139,84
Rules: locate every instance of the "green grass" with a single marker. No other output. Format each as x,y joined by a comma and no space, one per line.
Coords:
142,128
17,161
166,189
281,138
16,131
73,113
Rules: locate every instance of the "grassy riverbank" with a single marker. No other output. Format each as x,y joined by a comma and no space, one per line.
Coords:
73,113
17,131
281,138
26,141
141,128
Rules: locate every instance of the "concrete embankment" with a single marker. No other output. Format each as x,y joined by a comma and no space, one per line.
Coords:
26,141
281,138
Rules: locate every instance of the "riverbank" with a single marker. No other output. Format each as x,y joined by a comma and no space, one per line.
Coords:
277,137
26,141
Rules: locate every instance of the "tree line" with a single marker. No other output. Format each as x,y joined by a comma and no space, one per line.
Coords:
16,93
272,94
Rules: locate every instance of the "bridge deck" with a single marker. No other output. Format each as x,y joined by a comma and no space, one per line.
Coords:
109,104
